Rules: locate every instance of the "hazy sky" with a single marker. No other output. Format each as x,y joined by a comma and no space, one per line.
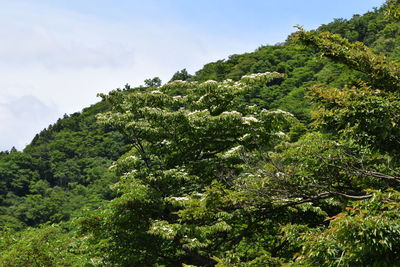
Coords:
56,55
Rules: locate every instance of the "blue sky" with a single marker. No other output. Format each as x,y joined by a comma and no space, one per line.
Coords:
56,55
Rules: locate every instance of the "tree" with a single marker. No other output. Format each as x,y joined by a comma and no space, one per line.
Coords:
213,177
154,82
182,144
44,246
214,180
364,114
181,75
392,9
367,233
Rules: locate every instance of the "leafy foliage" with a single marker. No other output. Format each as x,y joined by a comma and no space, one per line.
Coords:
208,169
63,170
367,233
181,144
44,246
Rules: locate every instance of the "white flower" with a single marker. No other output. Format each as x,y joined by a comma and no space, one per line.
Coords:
113,166
165,142
233,112
210,82
166,229
179,198
193,112
255,75
232,151
249,120
201,99
126,174
279,111
280,134
244,137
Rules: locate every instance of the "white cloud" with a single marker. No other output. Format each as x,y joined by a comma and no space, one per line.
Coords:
21,118
62,59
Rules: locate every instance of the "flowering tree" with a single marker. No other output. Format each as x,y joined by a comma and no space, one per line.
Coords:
187,139
212,180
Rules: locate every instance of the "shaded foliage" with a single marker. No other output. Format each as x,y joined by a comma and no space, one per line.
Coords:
64,169
207,171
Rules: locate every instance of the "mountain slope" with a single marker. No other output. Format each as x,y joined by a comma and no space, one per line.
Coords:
74,153
64,172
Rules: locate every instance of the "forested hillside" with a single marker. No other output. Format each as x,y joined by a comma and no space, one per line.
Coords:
63,171
285,156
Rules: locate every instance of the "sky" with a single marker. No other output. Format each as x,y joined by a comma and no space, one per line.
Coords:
56,55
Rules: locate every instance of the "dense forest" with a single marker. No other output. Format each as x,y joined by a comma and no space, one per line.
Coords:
285,156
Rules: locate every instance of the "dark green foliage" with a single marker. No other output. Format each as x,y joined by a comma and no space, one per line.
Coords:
215,173
182,75
63,170
296,63
381,72
181,144
43,246
154,82
367,233
16,173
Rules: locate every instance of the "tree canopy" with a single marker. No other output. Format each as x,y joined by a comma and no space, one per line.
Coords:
286,156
